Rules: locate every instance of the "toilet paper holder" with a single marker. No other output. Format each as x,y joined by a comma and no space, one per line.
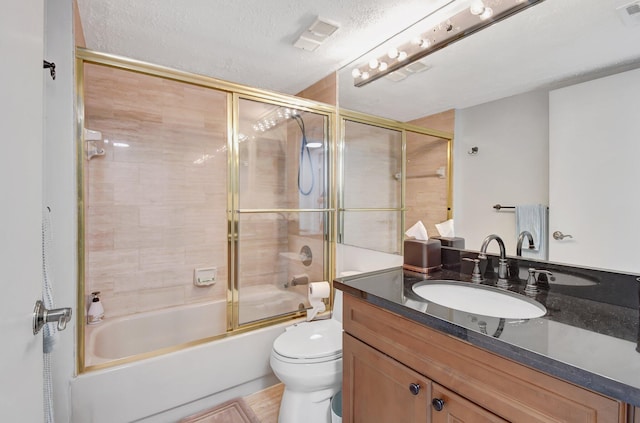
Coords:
317,292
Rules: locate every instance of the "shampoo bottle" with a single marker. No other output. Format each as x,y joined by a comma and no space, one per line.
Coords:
96,311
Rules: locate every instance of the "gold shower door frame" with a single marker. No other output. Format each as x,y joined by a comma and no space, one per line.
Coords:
234,92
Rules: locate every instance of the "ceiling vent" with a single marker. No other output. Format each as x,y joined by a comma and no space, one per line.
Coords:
629,12
416,67
396,76
407,71
316,34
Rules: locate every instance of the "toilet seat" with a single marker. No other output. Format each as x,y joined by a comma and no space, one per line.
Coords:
310,342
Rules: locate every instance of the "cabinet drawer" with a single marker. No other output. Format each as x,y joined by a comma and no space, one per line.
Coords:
508,389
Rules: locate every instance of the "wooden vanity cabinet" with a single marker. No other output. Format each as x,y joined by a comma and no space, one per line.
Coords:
380,389
396,370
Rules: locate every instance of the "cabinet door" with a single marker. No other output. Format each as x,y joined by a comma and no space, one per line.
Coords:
449,407
376,388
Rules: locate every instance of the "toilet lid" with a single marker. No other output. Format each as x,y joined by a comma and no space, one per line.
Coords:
318,339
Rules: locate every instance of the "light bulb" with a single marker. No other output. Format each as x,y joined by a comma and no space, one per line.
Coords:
356,73
477,8
402,56
383,66
393,53
488,12
425,43
365,75
373,64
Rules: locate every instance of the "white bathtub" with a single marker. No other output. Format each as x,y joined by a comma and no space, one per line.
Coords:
141,333
170,386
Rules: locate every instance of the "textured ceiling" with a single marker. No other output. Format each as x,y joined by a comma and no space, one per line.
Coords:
244,41
251,42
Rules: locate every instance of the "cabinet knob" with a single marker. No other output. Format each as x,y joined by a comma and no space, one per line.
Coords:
414,388
438,404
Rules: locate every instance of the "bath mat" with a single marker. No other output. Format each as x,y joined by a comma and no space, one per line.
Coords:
234,411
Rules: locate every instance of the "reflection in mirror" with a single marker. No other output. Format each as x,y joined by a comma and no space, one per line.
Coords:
500,82
372,230
427,197
372,157
371,199
379,182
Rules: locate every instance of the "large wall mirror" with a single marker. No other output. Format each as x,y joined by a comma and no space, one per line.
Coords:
517,88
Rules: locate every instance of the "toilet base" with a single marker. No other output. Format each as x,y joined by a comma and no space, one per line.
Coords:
307,407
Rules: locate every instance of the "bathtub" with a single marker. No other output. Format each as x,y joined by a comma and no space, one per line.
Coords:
168,387
142,333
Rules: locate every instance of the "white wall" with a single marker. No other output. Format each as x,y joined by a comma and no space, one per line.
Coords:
21,44
60,189
516,126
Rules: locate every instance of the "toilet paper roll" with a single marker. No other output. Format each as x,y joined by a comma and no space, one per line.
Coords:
317,291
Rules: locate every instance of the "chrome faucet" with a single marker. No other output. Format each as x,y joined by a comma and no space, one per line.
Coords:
532,287
521,239
502,262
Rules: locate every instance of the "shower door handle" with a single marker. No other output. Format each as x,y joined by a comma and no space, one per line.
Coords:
41,316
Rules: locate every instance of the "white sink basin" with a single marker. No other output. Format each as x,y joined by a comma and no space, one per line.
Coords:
479,299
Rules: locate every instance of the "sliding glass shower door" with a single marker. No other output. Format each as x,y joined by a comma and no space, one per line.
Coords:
281,211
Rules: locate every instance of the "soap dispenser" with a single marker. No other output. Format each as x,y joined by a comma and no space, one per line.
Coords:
96,311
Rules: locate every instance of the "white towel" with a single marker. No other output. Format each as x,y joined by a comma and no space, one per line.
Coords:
534,218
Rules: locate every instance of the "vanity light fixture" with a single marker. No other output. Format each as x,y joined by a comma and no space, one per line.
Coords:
478,15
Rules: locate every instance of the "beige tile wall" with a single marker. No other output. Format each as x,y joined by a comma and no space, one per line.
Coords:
324,90
154,210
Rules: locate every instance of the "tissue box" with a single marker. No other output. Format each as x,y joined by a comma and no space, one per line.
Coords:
422,256
455,242
451,258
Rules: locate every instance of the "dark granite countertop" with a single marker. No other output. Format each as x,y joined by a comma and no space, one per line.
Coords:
588,336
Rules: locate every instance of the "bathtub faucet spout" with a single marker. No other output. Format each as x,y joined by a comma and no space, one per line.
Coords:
299,280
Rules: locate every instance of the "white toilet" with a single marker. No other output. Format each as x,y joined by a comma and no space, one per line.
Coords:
307,358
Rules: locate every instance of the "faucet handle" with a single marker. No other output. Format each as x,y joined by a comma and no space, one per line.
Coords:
532,287
476,276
